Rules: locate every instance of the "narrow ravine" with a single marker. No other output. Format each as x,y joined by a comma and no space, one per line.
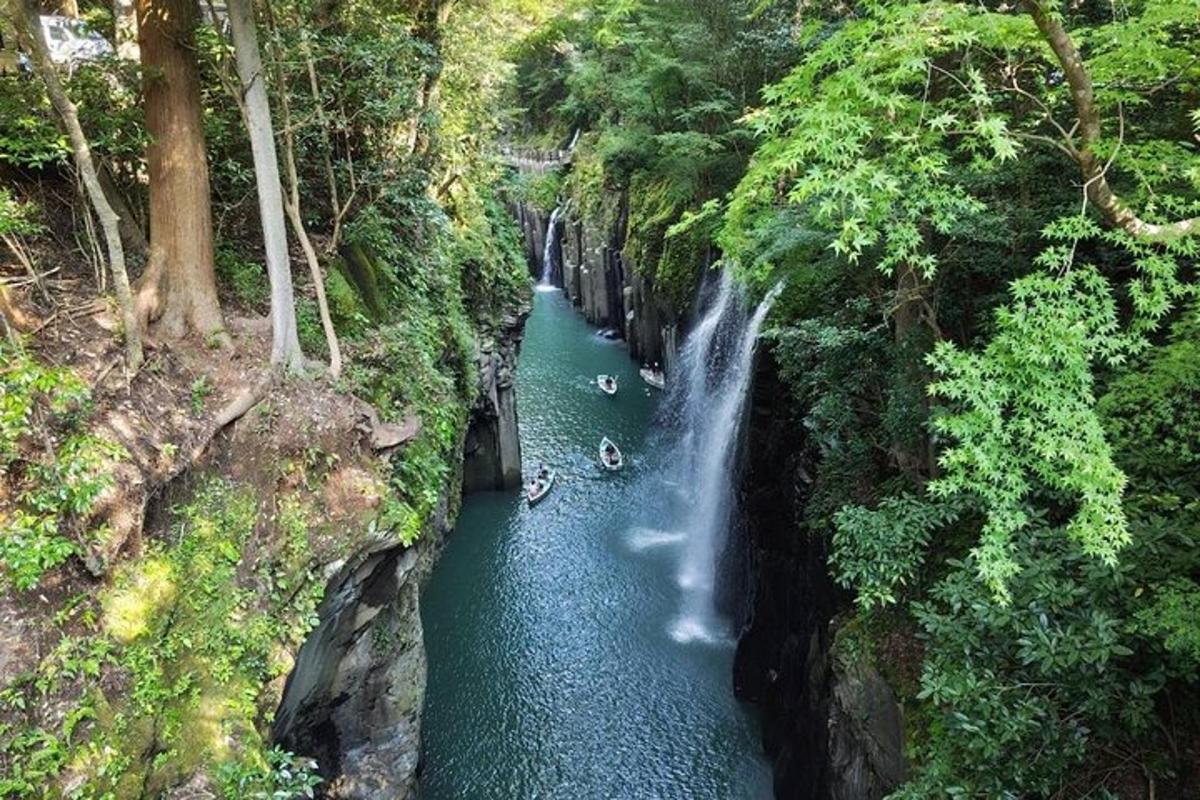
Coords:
553,671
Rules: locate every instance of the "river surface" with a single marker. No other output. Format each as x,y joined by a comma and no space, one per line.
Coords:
552,669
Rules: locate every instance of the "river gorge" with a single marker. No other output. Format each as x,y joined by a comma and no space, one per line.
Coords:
556,661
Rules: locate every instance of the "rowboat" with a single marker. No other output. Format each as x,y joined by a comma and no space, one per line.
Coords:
654,377
610,456
607,384
539,487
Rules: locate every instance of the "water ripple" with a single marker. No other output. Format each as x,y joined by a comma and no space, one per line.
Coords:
552,669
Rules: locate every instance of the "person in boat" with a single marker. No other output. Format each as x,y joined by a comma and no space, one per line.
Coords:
543,474
610,382
610,453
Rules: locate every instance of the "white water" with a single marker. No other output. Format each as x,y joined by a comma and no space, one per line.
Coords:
647,538
708,395
548,252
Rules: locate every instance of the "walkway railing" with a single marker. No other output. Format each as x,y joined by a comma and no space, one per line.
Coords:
527,158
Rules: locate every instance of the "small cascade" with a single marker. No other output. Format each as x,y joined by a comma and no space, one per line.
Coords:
552,249
707,400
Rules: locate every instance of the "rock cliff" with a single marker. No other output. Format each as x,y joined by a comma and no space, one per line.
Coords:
831,724
591,267
492,453
354,699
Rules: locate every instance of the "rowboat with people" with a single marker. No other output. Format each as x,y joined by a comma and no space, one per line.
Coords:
610,456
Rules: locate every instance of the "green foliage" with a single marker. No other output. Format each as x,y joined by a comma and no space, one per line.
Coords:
57,470
1022,689
193,633
28,135
539,189
849,137
487,253
16,217
198,641
1024,418
200,389
1171,617
1152,411
243,279
1049,555
401,369
878,552
283,776
308,327
834,366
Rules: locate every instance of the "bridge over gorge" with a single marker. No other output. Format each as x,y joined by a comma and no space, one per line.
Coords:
529,159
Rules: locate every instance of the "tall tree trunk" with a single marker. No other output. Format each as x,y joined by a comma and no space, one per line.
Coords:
25,21
125,17
178,288
915,332
285,346
292,198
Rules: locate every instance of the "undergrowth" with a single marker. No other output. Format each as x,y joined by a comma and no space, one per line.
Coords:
54,470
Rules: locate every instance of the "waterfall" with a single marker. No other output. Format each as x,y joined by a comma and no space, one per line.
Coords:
707,399
551,243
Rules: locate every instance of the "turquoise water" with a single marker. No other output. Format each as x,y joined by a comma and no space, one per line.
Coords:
552,673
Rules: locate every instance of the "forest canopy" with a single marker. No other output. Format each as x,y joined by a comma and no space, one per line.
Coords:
985,217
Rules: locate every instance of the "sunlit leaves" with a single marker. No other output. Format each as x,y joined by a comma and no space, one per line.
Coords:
852,136
1022,418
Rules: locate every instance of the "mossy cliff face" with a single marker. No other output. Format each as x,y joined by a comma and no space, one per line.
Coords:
831,723
257,630
592,263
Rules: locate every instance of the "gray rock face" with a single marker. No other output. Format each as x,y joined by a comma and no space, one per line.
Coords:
866,735
612,293
354,698
533,224
492,453
831,726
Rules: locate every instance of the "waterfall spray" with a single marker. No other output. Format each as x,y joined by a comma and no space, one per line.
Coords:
551,249
715,370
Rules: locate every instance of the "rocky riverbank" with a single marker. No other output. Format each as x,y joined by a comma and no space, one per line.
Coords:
590,265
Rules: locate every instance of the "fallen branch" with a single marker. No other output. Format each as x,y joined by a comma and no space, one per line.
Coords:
247,398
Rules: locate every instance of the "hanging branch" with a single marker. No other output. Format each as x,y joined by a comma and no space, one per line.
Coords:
1083,96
